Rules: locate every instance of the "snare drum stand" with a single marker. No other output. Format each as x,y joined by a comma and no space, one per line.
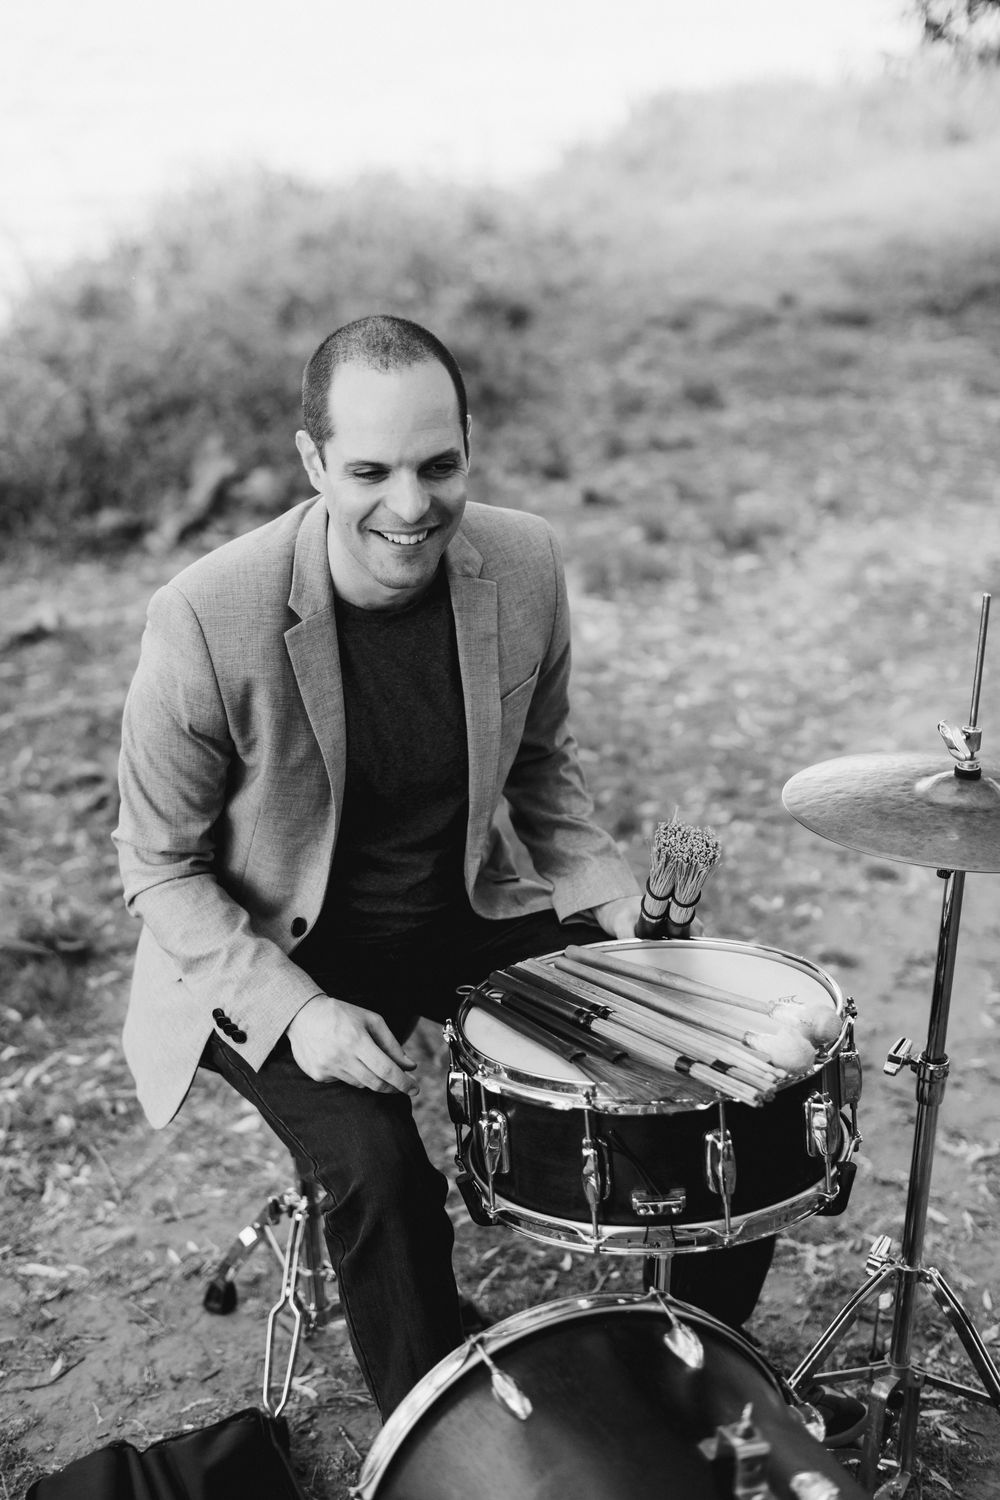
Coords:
897,1381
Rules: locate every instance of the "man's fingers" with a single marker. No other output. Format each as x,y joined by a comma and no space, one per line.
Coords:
380,1070
386,1041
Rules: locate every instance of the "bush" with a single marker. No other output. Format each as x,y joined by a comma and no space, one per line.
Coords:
115,374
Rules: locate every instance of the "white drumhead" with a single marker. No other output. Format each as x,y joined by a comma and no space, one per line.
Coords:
760,973
493,1038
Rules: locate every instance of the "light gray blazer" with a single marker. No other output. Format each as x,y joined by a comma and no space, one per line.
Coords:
232,774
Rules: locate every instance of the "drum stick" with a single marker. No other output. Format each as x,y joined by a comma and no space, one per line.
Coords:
646,1020
750,1080
679,1060
645,1031
665,1060
666,979
706,1047
521,997
791,1054
612,1075
784,1047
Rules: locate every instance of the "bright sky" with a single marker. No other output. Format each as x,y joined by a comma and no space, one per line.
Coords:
104,103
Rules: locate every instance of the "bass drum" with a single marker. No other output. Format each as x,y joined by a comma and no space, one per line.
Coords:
601,1398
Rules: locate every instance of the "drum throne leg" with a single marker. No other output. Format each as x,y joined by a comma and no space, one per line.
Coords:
306,1278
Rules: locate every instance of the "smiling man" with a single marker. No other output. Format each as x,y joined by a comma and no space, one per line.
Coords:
326,716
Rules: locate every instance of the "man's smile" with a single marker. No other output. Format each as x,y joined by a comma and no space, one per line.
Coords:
405,538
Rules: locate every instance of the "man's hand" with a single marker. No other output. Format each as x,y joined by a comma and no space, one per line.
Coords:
333,1040
618,918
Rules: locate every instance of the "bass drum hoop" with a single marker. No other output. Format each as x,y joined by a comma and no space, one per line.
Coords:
510,1331
497,1077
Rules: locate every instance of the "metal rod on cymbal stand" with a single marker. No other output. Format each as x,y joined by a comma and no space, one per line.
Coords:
977,681
931,1070
896,1381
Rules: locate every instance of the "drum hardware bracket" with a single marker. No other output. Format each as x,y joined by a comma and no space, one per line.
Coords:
679,1338
880,1255
898,1056
505,1388
931,1076
965,745
655,1205
739,1452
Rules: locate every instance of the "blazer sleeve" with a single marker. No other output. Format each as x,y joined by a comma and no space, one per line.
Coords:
551,810
176,761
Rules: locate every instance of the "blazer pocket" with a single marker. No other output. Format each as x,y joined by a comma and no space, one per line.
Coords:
522,692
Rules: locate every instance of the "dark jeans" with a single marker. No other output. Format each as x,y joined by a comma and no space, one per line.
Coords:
389,1236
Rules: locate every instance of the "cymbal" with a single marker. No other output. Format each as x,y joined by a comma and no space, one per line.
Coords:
903,807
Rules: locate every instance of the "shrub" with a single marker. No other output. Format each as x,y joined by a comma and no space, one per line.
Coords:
115,373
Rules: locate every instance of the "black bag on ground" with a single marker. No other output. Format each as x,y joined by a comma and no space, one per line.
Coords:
245,1455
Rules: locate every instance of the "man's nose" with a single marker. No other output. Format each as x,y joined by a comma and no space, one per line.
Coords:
407,499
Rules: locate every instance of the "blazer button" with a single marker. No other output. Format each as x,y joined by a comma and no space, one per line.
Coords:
227,1026
238,1036
218,1014
299,925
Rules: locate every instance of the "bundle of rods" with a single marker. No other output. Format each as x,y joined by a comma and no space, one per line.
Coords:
630,1026
681,858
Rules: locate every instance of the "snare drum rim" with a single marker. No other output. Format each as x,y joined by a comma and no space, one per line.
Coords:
510,1331
499,1077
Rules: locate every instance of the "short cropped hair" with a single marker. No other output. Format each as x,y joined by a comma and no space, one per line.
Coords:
378,342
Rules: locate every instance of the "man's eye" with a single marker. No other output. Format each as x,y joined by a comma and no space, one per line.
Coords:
369,476
443,469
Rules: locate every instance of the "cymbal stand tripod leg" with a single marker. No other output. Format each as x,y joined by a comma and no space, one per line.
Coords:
899,1381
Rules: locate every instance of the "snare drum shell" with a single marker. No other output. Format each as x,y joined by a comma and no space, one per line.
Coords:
653,1154
615,1414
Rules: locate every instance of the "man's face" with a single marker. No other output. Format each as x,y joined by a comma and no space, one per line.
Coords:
394,479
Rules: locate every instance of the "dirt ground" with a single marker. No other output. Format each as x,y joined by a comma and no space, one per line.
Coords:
110,1228
811,590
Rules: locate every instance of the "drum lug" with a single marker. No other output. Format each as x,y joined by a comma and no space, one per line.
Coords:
459,1097
720,1168
823,1132
850,1070
495,1140
596,1175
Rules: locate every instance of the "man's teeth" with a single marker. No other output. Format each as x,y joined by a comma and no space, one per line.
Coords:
404,538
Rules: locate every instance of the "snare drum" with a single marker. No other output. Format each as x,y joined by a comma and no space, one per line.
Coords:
601,1398
548,1152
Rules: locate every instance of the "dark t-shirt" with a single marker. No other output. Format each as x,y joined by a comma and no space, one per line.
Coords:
397,873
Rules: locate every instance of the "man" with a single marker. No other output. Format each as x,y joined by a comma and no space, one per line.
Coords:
325,717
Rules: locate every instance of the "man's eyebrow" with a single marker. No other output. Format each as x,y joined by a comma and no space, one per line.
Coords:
454,455
447,453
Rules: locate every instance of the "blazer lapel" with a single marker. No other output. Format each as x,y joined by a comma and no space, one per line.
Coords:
312,646
474,602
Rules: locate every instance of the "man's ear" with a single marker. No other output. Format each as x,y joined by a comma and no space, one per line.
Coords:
311,461
468,436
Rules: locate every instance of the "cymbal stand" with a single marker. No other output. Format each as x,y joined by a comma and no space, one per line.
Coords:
897,1381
